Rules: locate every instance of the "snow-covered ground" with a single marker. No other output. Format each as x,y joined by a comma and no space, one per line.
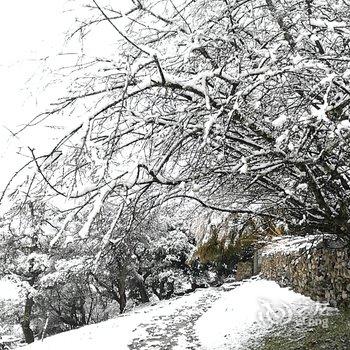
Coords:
243,316
229,317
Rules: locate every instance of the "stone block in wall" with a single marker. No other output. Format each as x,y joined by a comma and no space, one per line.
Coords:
244,270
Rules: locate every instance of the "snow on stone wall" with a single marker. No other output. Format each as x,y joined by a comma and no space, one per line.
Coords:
318,267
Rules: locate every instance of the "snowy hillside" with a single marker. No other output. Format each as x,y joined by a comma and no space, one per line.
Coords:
229,317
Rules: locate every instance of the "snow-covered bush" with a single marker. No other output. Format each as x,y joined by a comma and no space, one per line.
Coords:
170,272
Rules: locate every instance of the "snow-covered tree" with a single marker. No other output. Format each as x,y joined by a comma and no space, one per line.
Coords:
241,106
151,260
24,255
68,296
55,292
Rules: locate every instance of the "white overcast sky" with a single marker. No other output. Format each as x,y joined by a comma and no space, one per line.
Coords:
29,31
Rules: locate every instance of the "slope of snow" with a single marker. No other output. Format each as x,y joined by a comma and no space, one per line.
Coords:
212,318
138,329
112,334
247,313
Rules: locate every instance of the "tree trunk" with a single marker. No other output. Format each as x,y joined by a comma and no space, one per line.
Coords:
141,286
25,324
143,292
122,299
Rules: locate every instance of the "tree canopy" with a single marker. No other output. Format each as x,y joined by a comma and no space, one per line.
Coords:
241,106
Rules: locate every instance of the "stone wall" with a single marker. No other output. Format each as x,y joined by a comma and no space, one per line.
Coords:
318,268
244,270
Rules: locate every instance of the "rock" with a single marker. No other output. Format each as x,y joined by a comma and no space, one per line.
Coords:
244,270
333,303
